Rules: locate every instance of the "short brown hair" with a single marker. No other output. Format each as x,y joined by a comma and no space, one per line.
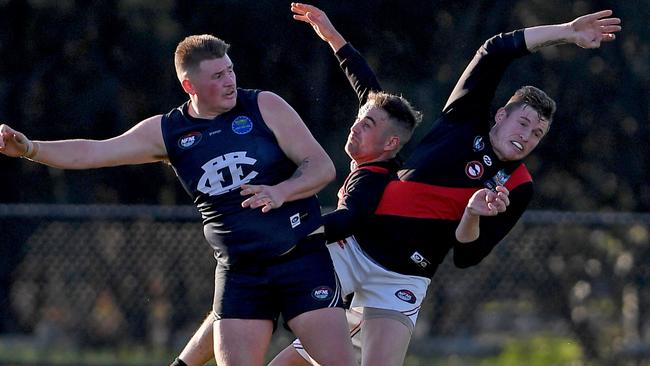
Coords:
405,118
536,99
194,49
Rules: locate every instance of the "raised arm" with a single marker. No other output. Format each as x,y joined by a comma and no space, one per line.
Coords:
315,168
141,144
355,67
320,22
587,31
478,83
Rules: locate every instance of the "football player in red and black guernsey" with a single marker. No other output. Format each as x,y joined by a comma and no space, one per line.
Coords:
465,186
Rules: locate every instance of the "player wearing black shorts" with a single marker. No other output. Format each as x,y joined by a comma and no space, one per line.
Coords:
252,169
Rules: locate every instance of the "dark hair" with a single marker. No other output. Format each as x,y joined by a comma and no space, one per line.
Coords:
536,99
194,49
400,111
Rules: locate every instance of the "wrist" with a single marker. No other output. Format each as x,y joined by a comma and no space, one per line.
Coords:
31,151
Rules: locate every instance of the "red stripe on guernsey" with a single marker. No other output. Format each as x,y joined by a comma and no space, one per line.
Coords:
428,201
372,168
518,177
424,200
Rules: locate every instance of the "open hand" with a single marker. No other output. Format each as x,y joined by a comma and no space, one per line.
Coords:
263,196
592,29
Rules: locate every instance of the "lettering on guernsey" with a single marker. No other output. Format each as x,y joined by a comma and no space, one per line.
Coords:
212,181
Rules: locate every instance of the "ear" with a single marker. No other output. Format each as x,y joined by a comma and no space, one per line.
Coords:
392,143
500,115
187,87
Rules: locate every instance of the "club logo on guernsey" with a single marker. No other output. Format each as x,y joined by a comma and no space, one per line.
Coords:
242,125
212,181
474,169
406,295
478,143
322,293
189,139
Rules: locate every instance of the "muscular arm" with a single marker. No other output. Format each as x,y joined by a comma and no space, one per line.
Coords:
315,168
141,144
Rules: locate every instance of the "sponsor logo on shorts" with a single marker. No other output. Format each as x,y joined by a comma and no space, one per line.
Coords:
474,169
322,293
242,125
478,143
406,295
294,220
189,139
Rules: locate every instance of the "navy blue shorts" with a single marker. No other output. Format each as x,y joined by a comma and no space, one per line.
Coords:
294,283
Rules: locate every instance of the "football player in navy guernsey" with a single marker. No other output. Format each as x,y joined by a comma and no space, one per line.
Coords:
463,188
252,168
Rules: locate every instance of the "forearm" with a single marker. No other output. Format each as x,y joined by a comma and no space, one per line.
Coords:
310,177
68,154
548,35
468,229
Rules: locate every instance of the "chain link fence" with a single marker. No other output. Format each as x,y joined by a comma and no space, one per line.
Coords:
123,277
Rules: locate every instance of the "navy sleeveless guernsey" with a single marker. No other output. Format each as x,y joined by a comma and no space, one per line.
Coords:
213,158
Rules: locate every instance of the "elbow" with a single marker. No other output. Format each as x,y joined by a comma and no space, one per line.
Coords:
329,172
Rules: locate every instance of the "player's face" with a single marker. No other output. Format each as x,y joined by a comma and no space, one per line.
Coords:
369,135
215,85
516,134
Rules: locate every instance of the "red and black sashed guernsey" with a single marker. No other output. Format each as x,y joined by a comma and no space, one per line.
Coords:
414,224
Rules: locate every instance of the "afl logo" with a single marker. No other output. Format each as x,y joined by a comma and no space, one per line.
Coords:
322,293
242,125
474,169
406,295
478,143
189,139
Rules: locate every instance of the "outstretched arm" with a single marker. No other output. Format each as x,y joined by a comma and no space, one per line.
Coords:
587,31
356,69
141,144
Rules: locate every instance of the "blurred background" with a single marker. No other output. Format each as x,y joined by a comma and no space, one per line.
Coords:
109,266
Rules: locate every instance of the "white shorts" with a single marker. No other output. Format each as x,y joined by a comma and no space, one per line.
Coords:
373,287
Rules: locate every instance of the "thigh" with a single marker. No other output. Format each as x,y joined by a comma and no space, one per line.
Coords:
241,342
244,293
306,281
296,355
324,334
385,341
